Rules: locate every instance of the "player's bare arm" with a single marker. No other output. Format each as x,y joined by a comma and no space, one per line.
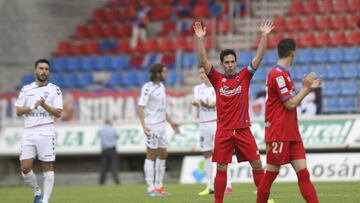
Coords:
141,113
207,104
310,82
53,111
265,28
200,33
23,110
173,125
196,103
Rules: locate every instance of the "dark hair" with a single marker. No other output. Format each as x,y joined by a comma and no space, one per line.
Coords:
155,69
41,61
226,52
201,65
285,47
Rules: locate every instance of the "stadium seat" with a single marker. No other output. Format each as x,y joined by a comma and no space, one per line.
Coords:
331,89
63,49
108,46
293,23
341,6
260,75
245,58
26,79
256,87
124,46
310,7
172,78
309,23
353,21
334,71
85,80
351,70
305,56
161,13
115,80
353,38
355,5
321,55
81,31
144,76
113,14
324,22
88,63
119,62
349,88
56,79
124,30
320,70
152,58
351,54
348,104
270,57
336,54
296,7
331,104
92,47
99,15
130,79
96,31
273,40
103,63
339,22
338,39
137,62
70,81
58,64
308,40
169,60
280,24
323,39
301,71
110,30
201,11
189,60
168,28
151,45
74,64
326,6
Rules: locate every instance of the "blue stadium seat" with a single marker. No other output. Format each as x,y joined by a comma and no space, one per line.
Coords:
321,55
331,88
189,60
85,80
58,64
103,63
130,78
336,54
74,64
151,59
305,56
348,103
260,75
331,104
349,88
301,71
119,62
352,54
172,78
320,71
256,87
244,58
115,80
88,63
26,79
70,81
351,70
56,79
144,76
335,71
270,57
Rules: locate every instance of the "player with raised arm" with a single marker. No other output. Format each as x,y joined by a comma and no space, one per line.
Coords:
153,117
232,104
283,140
40,102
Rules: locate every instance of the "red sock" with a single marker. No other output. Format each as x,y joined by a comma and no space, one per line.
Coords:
257,176
219,186
265,185
306,187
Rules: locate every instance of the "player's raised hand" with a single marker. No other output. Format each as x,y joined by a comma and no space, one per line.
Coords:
266,26
200,31
311,81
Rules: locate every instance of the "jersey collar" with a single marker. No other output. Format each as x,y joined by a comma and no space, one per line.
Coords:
282,67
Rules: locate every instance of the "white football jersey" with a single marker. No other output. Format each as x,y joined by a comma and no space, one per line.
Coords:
30,94
153,98
206,94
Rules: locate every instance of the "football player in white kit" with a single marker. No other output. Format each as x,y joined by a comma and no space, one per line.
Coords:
153,117
205,100
39,102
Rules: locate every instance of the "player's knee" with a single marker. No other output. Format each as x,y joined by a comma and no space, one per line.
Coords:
25,169
256,165
221,167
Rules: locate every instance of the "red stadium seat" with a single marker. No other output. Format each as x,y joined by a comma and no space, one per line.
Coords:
339,22
341,6
353,38
113,14
124,30
324,22
223,26
190,44
294,23
295,8
136,61
274,40
167,28
310,7
308,40
168,59
91,47
296,37
81,31
201,11
166,44
308,23
63,49
78,48
124,46
110,30
280,24
326,6
338,39
96,31
180,43
161,13
354,21
150,45
355,5
99,15
323,39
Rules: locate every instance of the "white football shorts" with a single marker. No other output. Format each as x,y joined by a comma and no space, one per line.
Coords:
207,136
39,144
157,137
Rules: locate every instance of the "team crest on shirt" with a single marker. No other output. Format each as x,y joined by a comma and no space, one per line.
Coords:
223,80
46,94
280,81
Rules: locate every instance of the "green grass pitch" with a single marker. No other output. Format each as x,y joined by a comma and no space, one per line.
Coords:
328,192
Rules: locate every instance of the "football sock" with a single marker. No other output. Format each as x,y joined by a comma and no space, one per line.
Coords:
265,185
220,184
306,187
49,178
228,177
160,168
30,179
257,176
149,174
209,176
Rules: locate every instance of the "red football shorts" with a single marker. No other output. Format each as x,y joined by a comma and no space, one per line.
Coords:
279,153
240,141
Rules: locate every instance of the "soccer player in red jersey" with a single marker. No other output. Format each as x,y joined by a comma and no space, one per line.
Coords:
282,136
232,104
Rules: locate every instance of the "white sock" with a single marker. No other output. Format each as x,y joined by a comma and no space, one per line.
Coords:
30,179
149,174
209,176
49,179
160,172
228,176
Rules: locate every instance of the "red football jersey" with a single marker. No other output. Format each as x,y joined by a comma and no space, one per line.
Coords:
232,98
280,122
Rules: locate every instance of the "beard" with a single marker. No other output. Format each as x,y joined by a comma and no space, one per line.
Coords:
42,78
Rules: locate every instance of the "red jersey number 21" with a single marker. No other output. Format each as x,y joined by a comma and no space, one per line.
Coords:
277,147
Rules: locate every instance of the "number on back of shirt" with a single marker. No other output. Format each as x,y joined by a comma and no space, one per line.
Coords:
277,147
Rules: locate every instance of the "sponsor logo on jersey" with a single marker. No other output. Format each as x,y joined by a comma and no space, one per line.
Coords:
280,81
284,90
229,92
